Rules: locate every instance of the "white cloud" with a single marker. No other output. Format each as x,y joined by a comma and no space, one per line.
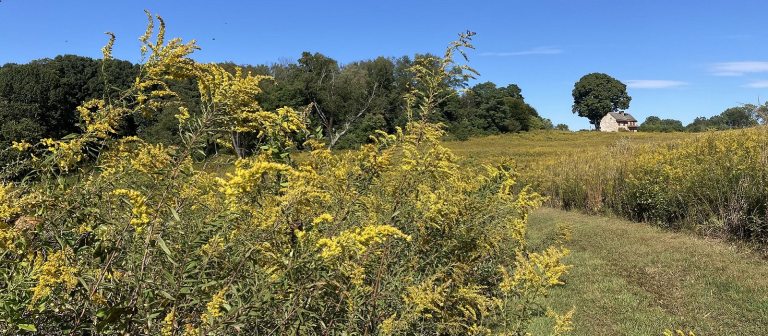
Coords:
653,83
738,68
761,84
533,51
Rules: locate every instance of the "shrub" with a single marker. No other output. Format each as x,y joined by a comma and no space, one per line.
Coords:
115,235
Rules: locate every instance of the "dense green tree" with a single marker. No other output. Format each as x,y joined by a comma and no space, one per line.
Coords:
656,124
488,109
342,98
55,87
38,87
347,101
701,124
739,117
596,94
562,127
18,122
373,101
733,117
39,99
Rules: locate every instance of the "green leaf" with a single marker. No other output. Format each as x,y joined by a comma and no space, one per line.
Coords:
175,214
27,327
165,249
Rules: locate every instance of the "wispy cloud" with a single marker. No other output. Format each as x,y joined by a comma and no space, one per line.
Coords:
532,51
761,84
738,68
653,83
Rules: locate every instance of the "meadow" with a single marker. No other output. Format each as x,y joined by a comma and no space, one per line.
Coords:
105,233
712,183
639,277
532,148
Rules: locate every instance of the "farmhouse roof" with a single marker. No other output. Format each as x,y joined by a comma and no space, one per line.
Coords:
622,116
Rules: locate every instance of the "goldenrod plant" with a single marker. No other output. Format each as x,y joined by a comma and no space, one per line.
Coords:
712,183
678,332
113,235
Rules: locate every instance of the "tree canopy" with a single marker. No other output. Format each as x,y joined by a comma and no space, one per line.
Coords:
596,94
733,117
488,109
347,102
656,124
741,116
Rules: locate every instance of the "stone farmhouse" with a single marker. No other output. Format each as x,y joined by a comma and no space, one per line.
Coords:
617,121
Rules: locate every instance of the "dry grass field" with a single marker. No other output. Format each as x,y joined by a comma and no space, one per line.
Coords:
633,278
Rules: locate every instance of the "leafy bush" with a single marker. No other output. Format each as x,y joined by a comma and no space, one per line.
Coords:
116,235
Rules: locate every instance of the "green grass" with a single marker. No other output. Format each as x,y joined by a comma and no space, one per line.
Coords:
635,279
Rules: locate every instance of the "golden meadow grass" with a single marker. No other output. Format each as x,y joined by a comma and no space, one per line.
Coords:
714,183
630,278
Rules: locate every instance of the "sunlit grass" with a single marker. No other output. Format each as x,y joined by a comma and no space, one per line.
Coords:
525,148
636,279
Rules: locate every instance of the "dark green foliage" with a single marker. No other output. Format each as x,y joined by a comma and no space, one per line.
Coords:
596,94
734,117
51,89
57,86
18,124
738,117
39,99
656,124
487,109
562,127
163,127
347,101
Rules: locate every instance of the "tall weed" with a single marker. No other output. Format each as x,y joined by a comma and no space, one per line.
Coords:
114,235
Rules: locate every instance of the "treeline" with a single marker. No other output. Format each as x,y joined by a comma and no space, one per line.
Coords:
346,102
732,118
39,99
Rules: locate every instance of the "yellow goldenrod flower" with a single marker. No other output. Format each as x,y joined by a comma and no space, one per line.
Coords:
21,146
53,272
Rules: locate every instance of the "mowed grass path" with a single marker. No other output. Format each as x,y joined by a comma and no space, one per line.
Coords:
635,279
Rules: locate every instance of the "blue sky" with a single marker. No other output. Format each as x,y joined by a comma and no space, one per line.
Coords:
681,59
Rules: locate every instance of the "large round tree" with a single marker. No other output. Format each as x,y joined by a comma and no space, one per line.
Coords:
596,94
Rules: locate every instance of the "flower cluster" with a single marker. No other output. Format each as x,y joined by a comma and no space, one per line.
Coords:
54,271
139,208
